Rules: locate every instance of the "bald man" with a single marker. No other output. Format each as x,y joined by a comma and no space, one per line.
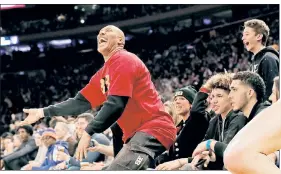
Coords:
124,87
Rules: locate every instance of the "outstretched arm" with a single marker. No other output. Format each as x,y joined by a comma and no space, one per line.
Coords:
73,106
89,97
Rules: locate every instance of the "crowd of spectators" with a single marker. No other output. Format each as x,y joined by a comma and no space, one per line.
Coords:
52,19
176,58
179,62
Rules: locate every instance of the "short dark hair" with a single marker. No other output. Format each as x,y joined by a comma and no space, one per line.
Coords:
89,117
27,128
260,27
254,80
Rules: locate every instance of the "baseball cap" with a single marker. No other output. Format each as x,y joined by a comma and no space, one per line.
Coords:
49,132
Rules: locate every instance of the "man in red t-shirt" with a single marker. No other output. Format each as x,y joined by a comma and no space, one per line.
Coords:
124,87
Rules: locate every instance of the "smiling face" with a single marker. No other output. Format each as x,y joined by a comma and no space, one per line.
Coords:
110,38
255,34
251,39
182,105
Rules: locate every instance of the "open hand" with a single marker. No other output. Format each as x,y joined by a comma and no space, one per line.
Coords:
33,116
83,145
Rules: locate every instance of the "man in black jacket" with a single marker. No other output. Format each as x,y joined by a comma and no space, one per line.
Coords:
191,129
265,60
25,153
247,93
248,151
224,126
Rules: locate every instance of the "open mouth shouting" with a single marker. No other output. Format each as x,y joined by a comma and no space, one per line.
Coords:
246,44
102,41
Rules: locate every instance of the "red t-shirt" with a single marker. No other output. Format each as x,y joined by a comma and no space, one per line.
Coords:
124,74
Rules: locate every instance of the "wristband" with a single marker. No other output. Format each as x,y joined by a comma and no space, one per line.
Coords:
208,144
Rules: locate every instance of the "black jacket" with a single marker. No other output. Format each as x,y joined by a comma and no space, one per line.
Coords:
224,131
26,152
190,133
258,107
231,125
266,64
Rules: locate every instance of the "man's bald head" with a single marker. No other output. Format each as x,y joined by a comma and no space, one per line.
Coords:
110,39
119,33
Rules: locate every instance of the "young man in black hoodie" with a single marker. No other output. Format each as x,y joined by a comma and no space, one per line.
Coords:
226,123
265,60
257,142
247,92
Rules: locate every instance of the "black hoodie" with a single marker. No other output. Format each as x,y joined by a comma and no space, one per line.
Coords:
266,64
258,107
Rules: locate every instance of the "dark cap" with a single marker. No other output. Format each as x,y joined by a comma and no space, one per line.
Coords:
187,92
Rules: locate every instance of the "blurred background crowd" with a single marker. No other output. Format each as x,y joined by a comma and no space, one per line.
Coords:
48,53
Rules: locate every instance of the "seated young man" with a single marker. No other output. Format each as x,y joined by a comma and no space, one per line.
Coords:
27,150
72,163
225,124
247,94
191,129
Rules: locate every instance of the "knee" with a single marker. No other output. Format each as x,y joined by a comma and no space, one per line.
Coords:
233,159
